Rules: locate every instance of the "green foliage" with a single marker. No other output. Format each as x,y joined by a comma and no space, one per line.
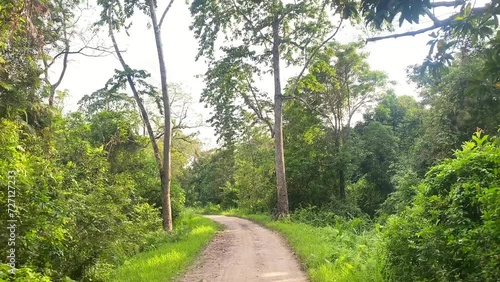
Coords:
77,216
254,180
211,209
23,274
111,97
339,212
469,25
229,196
451,231
239,176
308,150
379,147
460,101
19,71
205,179
338,85
380,13
405,183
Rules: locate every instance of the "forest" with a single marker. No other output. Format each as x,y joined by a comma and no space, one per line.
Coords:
365,184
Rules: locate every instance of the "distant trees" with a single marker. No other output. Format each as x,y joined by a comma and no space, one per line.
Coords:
338,86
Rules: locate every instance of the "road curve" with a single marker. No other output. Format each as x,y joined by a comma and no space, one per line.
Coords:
245,252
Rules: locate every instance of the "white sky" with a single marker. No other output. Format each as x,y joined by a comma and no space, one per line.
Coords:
85,75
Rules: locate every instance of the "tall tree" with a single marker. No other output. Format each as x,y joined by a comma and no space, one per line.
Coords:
115,14
167,133
260,35
340,84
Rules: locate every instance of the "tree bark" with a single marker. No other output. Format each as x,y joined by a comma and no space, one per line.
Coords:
282,192
167,135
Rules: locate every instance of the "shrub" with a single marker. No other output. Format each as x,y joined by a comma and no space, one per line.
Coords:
23,274
211,208
452,231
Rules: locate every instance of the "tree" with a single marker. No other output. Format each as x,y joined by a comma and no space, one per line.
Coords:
260,35
403,114
377,147
339,84
115,14
391,133
205,179
65,40
309,157
167,134
254,173
20,44
462,98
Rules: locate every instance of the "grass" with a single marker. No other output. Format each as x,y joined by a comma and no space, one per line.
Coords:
170,258
345,252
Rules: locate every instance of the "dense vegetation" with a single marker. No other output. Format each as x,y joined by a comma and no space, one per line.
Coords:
368,184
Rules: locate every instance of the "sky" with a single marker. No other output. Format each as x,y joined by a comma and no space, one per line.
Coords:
87,74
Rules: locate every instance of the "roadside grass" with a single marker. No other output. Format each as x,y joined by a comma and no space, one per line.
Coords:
172,257
346,252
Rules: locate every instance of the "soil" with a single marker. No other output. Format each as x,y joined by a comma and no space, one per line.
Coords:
245,252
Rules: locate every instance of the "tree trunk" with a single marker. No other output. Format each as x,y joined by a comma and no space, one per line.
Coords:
145,118
167,136
142,109
339,143
278,125
341,183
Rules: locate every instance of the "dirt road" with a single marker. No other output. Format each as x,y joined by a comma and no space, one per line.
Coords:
245,252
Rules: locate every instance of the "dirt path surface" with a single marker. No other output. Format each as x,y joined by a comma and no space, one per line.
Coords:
245,251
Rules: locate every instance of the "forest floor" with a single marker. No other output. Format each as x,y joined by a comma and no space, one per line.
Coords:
245,251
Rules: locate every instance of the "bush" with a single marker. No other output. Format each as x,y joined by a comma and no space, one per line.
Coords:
211,208
405,183
23,274
328,216
452,231
78,217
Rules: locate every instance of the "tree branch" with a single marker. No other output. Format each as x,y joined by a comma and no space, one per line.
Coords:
447,4
165,13
437,24
309,60
256,108
412,33
431,16
251,24
80,52
140,105
54,86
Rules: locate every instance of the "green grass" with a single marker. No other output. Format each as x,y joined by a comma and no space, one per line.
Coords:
170,258
344,252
